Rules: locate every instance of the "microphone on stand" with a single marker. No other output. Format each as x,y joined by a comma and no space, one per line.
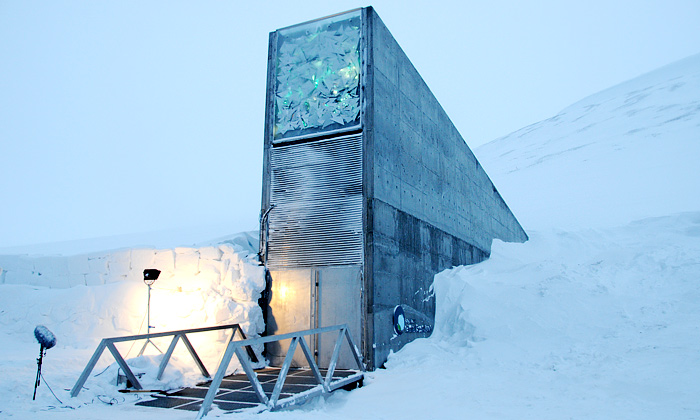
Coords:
47,340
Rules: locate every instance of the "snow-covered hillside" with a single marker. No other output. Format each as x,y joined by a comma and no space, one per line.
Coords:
596,317
623,154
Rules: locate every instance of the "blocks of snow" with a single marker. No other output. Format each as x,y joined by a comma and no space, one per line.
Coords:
187,261
226,263
204,286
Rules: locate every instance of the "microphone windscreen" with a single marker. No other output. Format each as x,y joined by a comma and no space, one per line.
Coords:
44,336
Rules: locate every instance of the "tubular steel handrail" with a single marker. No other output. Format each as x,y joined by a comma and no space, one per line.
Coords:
325,385
108,343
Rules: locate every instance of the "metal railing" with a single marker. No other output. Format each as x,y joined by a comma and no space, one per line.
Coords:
108,343
325,385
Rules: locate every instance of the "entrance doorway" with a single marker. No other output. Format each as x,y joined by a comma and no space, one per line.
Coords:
308,298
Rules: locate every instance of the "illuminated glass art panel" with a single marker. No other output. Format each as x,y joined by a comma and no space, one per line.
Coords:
318,76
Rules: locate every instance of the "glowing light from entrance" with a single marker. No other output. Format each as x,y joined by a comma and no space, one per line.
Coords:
284,292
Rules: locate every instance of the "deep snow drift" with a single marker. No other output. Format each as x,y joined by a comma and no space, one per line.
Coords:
592,324
597,316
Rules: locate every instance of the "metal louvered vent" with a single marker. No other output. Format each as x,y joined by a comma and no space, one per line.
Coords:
316,188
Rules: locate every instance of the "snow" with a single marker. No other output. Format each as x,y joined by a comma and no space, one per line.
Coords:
192,237
627,153
217,283
596,316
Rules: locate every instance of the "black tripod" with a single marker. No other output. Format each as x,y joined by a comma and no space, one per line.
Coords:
42,353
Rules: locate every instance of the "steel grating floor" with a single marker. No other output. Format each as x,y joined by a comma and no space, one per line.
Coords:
236,392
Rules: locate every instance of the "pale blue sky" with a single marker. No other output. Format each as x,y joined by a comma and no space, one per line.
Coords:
134,116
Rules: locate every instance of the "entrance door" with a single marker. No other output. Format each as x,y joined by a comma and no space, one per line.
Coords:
304,299
290,310
340,294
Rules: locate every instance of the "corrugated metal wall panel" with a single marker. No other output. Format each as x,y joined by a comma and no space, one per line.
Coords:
316,188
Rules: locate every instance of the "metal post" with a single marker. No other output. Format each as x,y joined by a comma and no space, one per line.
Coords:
166,357
336,353
38,370
312,364
148,324
90,366
148,313
283,372
122,364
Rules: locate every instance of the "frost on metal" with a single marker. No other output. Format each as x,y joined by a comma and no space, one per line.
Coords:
318,76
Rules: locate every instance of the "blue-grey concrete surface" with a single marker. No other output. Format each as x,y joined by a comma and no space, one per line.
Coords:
432,204
428,205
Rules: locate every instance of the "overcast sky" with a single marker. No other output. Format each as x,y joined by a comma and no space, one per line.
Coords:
135,116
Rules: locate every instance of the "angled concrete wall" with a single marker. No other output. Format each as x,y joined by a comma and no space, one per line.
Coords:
427,204
432,205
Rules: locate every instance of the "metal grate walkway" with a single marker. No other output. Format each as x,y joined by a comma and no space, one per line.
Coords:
236,391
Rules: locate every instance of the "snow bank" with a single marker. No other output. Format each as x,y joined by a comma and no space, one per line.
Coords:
584,324
87,297
578,324
84,298
597,315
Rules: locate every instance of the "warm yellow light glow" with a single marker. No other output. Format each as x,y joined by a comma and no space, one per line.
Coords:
184,302
284,292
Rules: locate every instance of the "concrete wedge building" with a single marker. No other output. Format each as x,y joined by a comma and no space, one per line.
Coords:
368,189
